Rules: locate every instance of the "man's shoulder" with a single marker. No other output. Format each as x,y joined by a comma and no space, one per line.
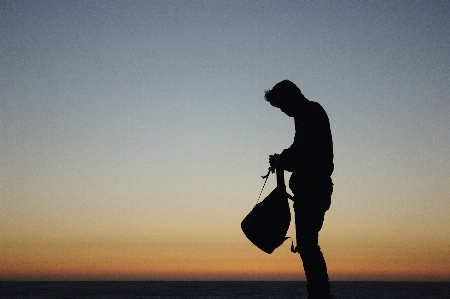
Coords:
315,109
315,105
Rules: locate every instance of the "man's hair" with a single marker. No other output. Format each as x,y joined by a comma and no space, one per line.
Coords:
282,90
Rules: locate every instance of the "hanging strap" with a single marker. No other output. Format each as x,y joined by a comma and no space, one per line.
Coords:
265,181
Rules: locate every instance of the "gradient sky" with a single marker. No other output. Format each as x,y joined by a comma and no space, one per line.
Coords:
134,134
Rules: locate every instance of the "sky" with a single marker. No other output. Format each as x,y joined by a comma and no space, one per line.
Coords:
134,135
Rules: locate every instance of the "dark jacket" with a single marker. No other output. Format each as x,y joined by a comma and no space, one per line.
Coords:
310,157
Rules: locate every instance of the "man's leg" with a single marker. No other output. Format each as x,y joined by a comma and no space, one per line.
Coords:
309,216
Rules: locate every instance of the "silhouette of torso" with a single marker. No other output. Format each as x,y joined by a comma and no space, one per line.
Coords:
311,153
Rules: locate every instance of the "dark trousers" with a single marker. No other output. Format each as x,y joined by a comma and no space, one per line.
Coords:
311,201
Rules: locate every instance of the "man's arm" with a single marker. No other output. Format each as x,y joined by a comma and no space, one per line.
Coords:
290,158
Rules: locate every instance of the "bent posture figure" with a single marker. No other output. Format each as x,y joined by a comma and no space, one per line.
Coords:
310,159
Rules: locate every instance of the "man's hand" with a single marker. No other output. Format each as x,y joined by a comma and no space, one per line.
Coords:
274,161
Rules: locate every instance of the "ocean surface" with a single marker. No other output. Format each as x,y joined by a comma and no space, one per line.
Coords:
222,289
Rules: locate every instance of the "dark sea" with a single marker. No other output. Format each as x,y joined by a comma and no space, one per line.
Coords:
222,289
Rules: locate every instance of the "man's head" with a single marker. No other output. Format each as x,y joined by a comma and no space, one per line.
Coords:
285,95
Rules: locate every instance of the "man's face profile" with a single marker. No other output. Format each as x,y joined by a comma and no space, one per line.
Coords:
286,106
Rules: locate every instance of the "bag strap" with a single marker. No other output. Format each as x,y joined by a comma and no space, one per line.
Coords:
264,177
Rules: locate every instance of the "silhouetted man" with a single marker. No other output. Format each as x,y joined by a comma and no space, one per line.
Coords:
310,159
